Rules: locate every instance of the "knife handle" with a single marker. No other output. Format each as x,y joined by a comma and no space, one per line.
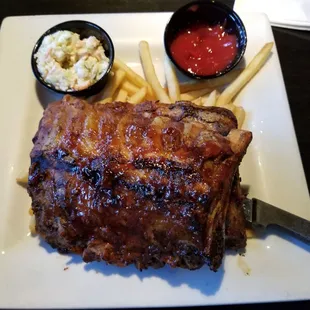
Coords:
271,215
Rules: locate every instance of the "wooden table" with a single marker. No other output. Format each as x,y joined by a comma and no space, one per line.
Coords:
293,48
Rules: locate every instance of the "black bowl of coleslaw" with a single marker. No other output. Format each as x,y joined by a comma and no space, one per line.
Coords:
66,65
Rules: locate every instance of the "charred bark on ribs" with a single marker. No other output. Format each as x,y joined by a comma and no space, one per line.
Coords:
148,184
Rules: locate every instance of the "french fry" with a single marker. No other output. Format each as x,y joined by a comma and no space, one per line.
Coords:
214,83
32,225
149,72
106,100
250,233
138,96
210,100
230,106
133,76
247,74
122,95
192,95
240,115
112,84
23,180
129,87
198,101
172,81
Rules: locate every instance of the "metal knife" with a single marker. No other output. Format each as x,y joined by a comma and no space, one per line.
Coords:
263,214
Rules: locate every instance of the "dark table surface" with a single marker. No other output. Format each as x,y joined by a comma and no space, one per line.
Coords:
293,48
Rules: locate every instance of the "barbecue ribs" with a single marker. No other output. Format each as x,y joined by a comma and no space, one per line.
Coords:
148,184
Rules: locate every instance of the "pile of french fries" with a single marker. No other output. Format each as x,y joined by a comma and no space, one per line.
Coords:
126,85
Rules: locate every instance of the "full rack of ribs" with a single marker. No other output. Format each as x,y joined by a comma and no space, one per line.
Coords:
148,184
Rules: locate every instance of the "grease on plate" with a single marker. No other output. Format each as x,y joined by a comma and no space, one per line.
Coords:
243,265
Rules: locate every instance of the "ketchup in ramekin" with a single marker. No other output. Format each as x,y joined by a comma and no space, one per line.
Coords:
203,49
205,39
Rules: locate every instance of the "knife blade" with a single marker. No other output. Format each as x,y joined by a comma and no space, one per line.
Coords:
263,214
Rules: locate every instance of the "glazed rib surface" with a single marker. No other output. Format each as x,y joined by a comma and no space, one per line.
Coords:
147,184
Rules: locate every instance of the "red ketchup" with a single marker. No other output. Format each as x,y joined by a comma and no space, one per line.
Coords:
204,50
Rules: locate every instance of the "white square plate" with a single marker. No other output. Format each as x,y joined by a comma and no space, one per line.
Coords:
33,275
